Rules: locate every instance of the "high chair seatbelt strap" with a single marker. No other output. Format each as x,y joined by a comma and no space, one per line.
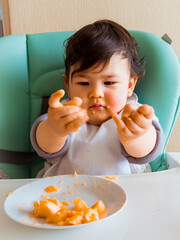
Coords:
16,157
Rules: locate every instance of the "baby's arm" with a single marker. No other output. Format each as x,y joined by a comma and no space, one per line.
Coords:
135,130
63,119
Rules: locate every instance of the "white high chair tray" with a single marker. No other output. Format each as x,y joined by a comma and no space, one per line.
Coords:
152,211
88,188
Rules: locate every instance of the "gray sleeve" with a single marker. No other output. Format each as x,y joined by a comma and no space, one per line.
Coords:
36,147
154,153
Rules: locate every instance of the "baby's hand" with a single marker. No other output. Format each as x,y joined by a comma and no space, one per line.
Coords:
134,121
63,119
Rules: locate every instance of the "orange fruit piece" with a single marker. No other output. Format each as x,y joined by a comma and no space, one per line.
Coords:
55,201
99,207
52,189
76,219
79,204
44,208
90,215
59,217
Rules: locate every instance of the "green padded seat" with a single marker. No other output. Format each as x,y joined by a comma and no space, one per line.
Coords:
31,67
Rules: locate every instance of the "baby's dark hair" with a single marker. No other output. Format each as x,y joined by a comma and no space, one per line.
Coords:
96,43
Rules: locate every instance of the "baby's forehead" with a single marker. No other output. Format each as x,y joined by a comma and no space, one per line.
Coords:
114,69
77,68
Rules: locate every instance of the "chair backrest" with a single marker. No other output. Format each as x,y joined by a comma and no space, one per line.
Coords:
31,67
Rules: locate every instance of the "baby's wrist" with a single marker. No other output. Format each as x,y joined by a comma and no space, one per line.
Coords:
54,131
47,140
141,145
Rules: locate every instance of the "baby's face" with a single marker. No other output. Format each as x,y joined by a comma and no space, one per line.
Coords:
102,90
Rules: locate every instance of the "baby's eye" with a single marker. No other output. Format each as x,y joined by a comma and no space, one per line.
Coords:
109,83
83,83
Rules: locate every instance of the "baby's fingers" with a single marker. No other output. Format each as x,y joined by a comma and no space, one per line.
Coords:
122,128
54,100
119,123
127,110
146,110
76,101
75,124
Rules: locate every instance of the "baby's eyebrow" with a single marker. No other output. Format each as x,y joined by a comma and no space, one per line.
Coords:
78,74
111,76
72,74
84,75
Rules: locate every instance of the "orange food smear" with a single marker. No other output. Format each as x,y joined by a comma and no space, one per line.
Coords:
75,174
77,184
54,211
20,207
9,194
111,178
34,219
51,189
25,220
66,203
24,204
108,166
76,130
101,186
127,117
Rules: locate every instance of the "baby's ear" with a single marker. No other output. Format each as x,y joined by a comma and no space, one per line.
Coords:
66,82
132,84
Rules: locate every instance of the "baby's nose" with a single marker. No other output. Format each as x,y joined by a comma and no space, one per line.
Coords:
96,93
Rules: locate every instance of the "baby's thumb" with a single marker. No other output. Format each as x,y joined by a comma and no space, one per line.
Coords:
54,100
76,101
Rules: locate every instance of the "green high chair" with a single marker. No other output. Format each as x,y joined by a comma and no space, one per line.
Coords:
31,68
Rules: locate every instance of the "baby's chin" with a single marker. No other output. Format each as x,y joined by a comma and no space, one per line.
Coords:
97,121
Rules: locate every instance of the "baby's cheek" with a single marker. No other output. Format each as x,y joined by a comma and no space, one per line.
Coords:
116,103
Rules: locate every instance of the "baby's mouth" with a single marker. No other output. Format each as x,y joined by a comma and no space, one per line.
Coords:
97,107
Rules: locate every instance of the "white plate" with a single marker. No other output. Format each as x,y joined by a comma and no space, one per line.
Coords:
20,202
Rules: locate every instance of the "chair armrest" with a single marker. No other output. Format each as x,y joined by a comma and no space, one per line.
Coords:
173,159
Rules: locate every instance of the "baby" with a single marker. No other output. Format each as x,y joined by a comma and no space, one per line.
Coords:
101,129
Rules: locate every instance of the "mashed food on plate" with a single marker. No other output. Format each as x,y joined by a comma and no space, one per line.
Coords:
54,211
